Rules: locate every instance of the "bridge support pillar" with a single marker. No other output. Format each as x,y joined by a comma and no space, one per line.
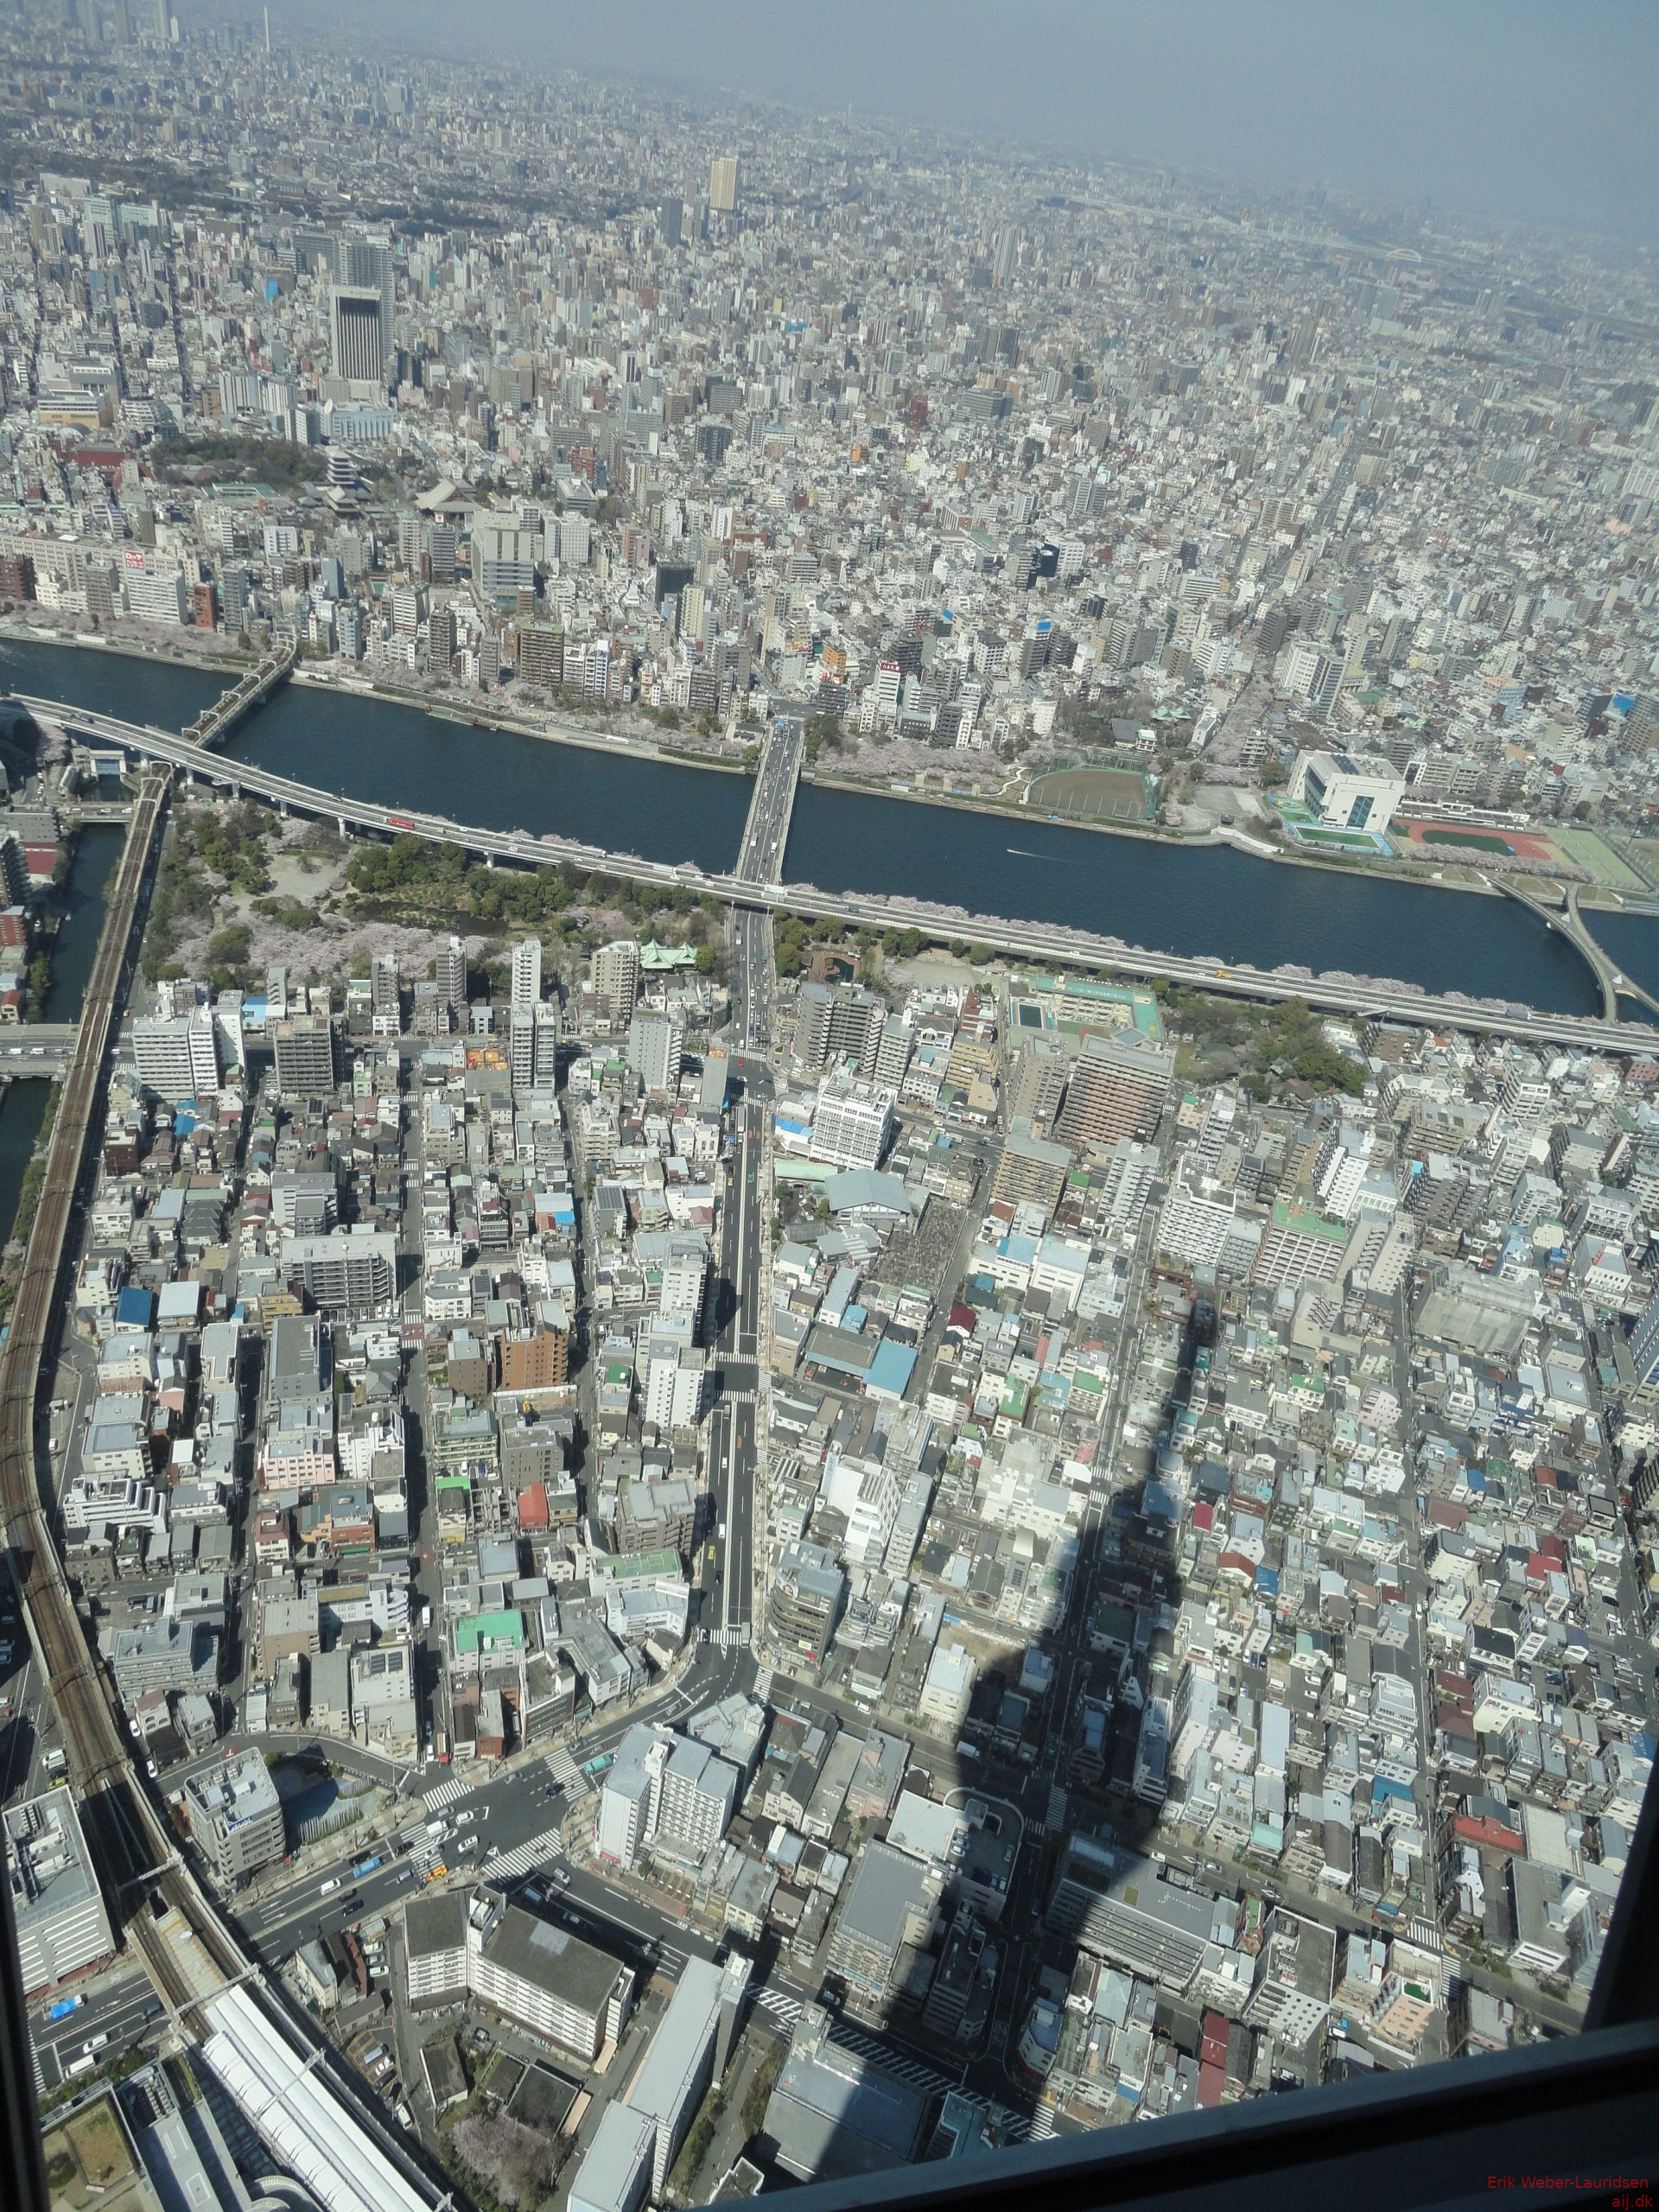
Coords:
339,824
489,859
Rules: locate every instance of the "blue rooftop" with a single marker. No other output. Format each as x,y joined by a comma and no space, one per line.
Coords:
890,1371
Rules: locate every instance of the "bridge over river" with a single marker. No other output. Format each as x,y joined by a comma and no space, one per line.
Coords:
1334,991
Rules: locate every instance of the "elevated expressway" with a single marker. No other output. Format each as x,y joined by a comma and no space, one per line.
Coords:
1568,922
1333,991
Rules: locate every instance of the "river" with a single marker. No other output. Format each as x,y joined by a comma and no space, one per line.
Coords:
163,693
22,1106
1189,899
396,755
80,903
1177,899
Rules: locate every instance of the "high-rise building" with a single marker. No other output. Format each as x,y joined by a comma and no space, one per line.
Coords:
851,1123
1039,1081
159,596
451,972
1290,1996
1644,1344
527,971
616,981
541,655
366,267
806,1599
236,1817
1117,1089
656,1046
357,332
1030,1168
671,219
722,184
440,638
687,2053
835,1022
548,1027
384,997
533,1046
304,1050
546,1978
352,1271
505,556
675,1373
177,1056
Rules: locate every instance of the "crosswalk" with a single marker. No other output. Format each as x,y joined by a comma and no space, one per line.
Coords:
909,2070
1035,1831
563,1770
1039,2128
738,1635
447,1793
785,2011
527,1857
1425,1933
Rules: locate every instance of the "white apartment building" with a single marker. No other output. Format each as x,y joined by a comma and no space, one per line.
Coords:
1340,1171
868,1495
527,971
61,1926
851,1123
177,1056
158,597
656,1047
947,1688
674,1378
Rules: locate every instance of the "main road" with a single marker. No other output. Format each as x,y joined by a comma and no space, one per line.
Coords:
738,1341
1332,992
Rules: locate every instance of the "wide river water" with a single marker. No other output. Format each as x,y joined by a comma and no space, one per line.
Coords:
80,906
1183,900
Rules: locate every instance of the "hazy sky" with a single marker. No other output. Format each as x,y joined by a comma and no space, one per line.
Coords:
1537,110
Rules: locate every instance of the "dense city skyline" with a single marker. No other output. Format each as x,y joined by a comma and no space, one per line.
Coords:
829,1100
1514,112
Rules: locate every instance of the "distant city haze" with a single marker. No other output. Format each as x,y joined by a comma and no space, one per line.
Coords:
1516,110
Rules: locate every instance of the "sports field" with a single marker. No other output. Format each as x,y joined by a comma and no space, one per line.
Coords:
1091,794
1429,838
1597,857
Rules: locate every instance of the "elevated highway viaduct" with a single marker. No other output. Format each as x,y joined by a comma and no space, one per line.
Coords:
1332,991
